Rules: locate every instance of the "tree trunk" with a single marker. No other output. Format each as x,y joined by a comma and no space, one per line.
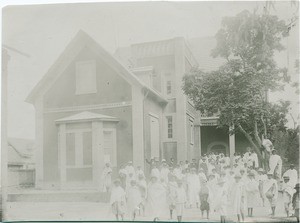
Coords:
264,125
256,136
256,148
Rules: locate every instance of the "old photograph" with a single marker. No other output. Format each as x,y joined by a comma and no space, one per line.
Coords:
167,111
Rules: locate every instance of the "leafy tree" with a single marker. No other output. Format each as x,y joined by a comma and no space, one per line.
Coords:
238,90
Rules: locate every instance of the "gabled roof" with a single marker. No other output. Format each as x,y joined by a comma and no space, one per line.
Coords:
87,116
24,147
80,41
20,151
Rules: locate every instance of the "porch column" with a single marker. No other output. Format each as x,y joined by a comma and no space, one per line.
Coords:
231,146
97,151
62,152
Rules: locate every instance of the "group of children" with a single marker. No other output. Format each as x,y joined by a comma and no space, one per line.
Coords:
211,185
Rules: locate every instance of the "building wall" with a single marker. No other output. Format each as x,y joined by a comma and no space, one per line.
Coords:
151,107
111,88
51,157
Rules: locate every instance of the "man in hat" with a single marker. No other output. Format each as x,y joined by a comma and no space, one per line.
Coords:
295,201
271,191
275,164
194,164
151,163
130,169
287,194
292,174
202,176
203,164
237,197
252,189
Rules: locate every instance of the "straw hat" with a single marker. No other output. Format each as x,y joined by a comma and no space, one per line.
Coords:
221,181
238,176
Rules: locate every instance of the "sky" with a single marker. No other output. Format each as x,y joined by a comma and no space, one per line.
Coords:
43,31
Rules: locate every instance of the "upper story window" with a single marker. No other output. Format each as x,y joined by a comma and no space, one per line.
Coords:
170,126
86,77
169,87
192,131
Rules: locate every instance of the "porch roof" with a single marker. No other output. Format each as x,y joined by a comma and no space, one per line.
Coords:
87,116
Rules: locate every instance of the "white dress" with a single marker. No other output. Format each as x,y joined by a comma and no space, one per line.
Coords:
193,189
293,175
134,198
157,204
237,198
221,199
275,161
252,190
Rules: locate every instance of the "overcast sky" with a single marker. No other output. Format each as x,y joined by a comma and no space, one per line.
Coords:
43,31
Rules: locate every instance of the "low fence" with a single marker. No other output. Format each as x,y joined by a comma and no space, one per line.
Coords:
21,177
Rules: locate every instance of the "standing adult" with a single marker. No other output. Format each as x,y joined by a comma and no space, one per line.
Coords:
156,199
267,149
275,164
271,191
237,197
292,174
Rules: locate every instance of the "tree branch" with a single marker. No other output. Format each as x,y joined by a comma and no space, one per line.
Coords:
256,148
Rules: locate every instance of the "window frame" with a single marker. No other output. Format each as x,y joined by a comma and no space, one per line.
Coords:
170,117
192,132
93,88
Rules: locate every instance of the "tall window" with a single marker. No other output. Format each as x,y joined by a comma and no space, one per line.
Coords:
86,77
170,126
192,131
169,87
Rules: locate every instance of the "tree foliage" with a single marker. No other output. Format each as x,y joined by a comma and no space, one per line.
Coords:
238,89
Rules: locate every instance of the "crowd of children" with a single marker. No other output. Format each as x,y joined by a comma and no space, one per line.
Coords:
212,184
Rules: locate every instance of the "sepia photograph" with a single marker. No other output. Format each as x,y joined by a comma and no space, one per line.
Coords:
157,111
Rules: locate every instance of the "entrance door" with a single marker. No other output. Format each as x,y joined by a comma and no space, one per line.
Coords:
154,136
78,161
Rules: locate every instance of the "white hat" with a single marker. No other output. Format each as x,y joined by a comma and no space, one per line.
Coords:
163,160
130,162
260,170
270,173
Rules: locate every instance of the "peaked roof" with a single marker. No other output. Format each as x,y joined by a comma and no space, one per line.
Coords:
24,147
80,41
87,116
